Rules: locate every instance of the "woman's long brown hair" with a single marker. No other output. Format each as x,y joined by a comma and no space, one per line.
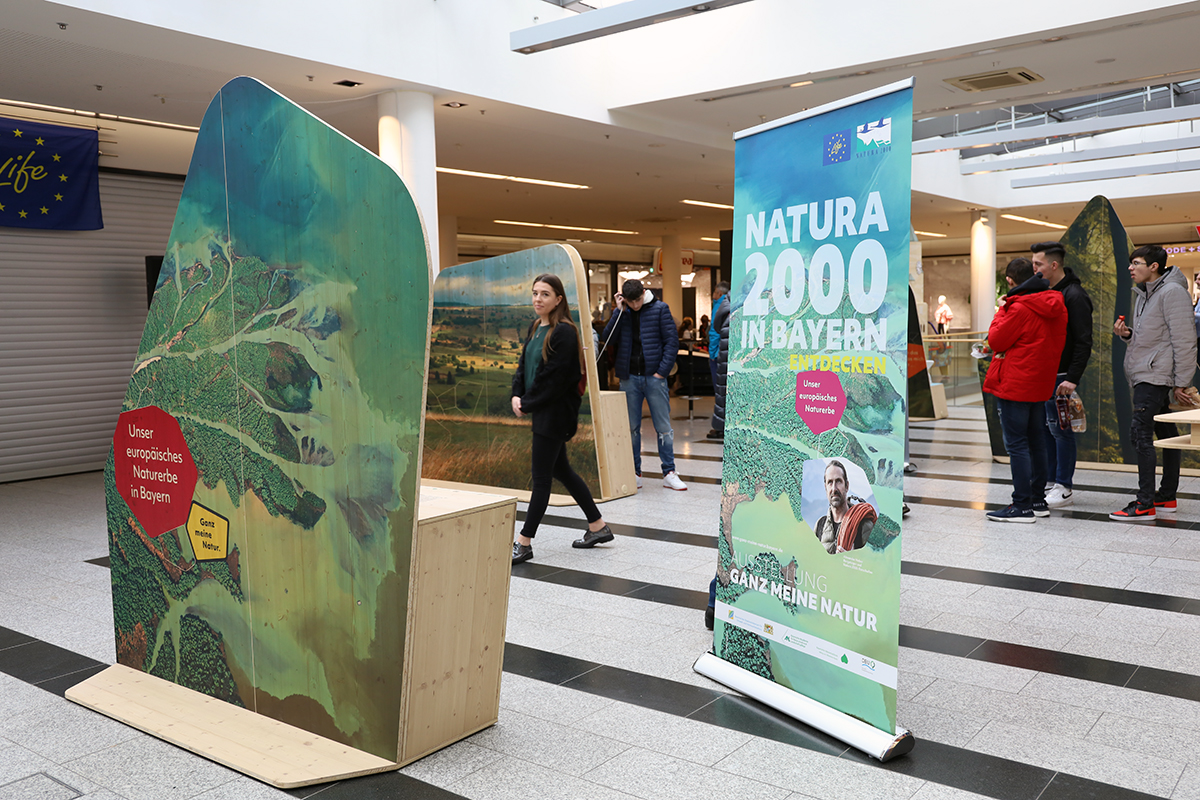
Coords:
561,313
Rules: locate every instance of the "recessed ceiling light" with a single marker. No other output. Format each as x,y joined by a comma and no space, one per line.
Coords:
798,84
930,233
1042,222
347,83
706,204
454,104
492,176
709,239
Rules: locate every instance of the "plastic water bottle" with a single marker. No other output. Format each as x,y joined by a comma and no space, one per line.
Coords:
1063,404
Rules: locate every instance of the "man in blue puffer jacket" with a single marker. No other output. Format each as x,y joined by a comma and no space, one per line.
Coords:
644,338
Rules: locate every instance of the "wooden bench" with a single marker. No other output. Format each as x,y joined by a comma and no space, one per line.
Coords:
1189,441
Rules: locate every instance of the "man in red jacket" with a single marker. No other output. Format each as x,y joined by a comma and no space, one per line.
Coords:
1031,322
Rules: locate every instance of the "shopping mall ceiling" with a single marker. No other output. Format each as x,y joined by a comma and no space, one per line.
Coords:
637,177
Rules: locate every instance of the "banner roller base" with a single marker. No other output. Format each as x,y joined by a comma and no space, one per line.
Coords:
856,733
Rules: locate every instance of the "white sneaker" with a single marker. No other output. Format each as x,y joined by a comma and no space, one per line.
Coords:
1059,497
671,481
639,481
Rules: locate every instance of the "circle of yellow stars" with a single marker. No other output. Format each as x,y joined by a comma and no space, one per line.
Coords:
62,178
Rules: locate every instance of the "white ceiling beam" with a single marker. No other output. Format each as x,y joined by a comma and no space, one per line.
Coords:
606,21
1054,130
978,166
1105,174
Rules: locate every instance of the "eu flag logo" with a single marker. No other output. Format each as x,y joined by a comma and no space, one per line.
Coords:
837,147
49,176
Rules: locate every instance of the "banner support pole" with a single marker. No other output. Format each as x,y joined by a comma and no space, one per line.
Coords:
854,732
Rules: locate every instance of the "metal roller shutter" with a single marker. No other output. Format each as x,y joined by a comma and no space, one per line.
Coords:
72,307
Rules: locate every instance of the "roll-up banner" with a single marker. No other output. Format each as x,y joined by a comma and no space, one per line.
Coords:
808,569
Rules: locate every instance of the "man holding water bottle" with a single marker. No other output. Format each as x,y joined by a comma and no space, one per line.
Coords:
1048,260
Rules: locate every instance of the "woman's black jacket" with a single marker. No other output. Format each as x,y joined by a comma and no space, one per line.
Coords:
553,400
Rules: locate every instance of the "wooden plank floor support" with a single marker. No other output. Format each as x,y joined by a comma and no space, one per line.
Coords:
453,660
258,746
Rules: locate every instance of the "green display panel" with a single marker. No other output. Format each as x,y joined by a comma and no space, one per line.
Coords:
287,341
920,393
1098,251
482,311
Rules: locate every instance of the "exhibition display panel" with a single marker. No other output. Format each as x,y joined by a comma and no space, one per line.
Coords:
279,603
481,317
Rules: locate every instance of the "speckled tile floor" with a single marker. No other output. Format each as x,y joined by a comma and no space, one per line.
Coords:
1049,662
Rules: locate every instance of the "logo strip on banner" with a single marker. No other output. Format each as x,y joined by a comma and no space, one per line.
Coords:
812,479
883,674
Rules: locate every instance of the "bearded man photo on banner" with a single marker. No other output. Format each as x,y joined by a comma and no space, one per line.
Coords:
850,520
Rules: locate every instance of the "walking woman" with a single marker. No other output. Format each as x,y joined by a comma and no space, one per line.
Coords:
546,387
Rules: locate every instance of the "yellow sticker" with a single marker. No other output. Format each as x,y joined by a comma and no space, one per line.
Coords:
209,532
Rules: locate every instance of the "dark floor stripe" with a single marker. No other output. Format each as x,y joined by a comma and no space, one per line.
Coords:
945,764
686,478
1165,521
634,531
914,456
960,768
1069,665
922,426
1080,487
1003,580
55,670
949,438
687,456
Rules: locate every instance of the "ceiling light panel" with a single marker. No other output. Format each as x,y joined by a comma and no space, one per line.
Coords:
516,179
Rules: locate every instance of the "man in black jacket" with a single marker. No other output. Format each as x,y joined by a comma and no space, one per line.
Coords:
1048,258
645,343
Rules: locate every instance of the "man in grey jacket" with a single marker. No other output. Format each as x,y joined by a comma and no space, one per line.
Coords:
1159,362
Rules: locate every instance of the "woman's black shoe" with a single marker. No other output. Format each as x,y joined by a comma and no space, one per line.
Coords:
593,538
709,613
522,552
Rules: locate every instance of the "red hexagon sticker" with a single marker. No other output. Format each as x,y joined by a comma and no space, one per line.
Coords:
820,400
153,469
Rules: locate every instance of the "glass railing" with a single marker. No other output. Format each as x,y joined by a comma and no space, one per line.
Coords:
954,367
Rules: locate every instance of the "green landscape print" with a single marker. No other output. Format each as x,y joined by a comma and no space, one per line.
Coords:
288,336
482,311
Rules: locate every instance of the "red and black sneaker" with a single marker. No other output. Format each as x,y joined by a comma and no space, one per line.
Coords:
1135,512
1166,506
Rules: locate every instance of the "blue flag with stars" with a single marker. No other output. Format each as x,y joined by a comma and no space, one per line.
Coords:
49,176
837,147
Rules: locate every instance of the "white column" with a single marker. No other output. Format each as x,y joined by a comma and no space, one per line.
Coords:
407,145
448,240
672,255
983,267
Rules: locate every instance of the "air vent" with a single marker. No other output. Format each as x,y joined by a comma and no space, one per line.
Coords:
1001,79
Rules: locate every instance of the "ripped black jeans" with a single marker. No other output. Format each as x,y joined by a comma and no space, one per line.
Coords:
1149,400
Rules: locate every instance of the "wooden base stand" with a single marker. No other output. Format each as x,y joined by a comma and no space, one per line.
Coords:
453,659
250,743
